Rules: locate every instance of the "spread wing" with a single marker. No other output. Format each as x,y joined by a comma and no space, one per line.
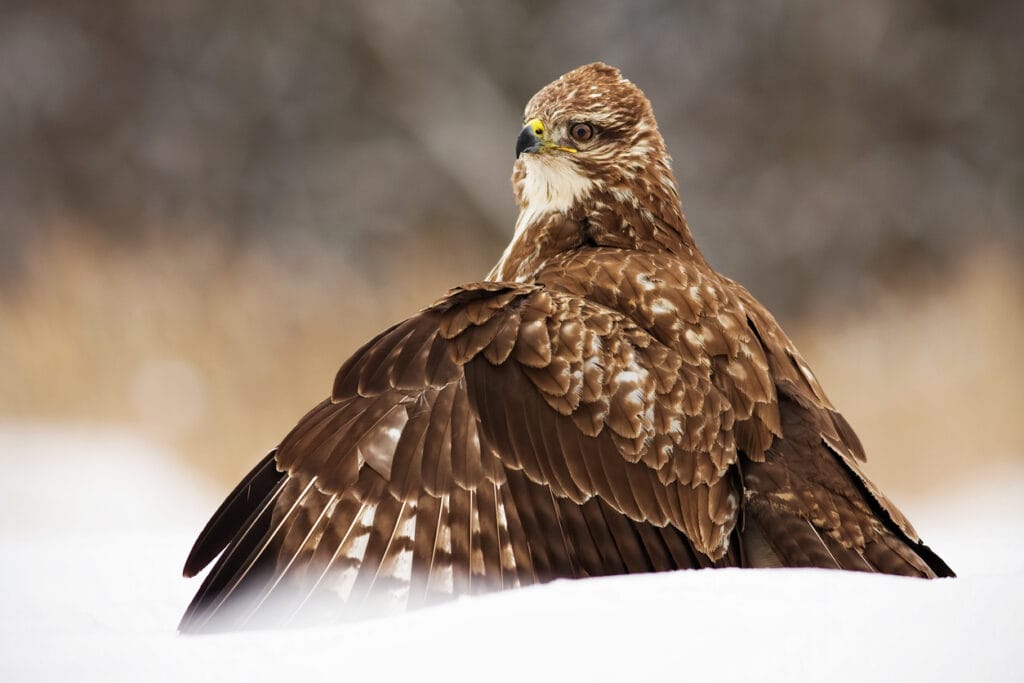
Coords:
507,435
808,500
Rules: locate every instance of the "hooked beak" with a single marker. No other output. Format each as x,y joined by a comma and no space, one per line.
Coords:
532,140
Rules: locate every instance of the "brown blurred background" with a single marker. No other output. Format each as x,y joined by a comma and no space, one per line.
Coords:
206,206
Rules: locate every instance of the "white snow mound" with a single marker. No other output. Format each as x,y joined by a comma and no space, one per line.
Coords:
96,524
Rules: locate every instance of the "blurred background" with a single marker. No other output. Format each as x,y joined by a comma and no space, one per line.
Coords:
206,206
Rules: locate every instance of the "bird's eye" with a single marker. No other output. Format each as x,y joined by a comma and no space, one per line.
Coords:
581,132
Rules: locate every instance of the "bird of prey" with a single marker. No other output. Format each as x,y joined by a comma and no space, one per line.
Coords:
603,403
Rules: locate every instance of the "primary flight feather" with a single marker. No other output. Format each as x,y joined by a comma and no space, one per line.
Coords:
603,403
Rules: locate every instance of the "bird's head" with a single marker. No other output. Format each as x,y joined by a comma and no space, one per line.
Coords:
589,131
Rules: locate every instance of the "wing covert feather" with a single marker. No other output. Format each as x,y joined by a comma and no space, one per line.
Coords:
449,459
516,433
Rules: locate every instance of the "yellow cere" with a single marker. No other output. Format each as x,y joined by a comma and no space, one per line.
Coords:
537,126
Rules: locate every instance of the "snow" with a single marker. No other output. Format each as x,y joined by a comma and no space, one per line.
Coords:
95,526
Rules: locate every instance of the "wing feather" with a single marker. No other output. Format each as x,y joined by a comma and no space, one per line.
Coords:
514,433
232,514
522,556
460,525
625,540
490,535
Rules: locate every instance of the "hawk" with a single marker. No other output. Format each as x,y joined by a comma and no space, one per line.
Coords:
603,403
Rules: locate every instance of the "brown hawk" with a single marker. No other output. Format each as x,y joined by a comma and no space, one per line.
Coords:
603,403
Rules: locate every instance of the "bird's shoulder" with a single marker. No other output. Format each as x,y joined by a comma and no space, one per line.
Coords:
705,318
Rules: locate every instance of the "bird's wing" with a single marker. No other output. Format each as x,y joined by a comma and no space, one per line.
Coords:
805,495
507,435
808,497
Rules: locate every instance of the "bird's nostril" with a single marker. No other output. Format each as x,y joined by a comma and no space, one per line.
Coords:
527,140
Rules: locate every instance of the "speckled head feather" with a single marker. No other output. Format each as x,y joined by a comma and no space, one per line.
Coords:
606,403
614,189
626,154
599,94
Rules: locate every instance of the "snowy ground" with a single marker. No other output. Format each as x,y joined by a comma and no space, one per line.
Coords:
94,527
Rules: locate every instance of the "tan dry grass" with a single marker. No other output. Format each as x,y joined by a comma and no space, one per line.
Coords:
932,379
217,351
